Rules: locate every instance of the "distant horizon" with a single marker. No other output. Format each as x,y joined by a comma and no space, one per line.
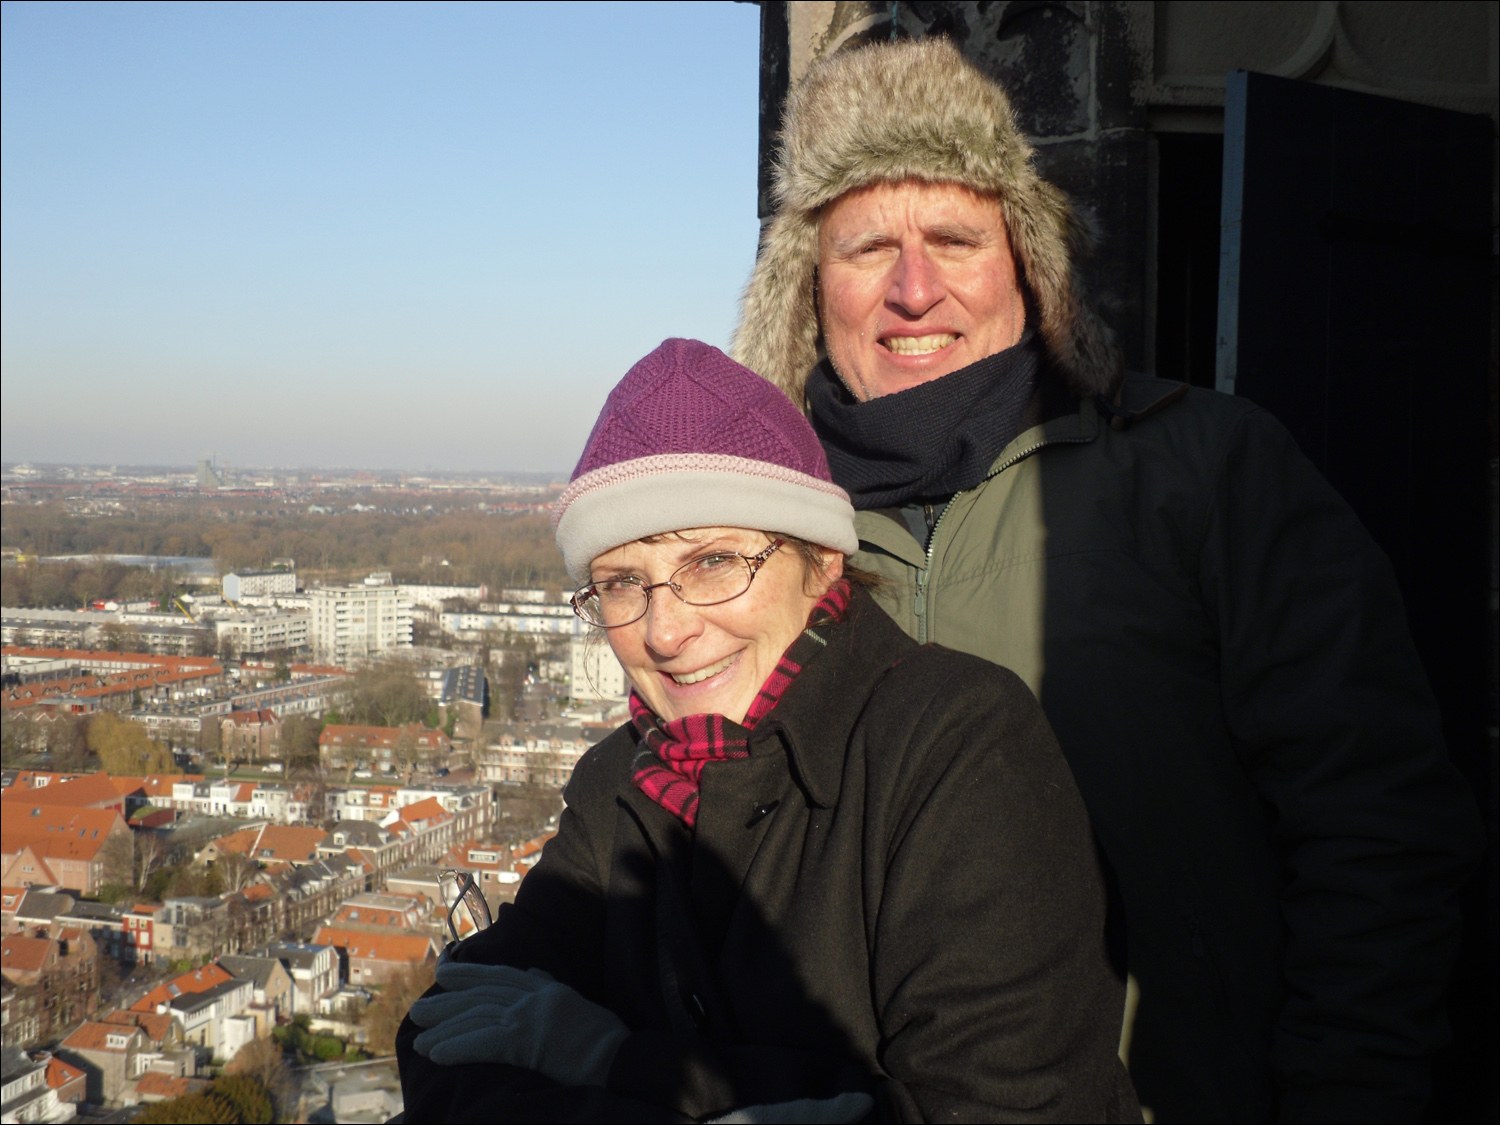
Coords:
120,467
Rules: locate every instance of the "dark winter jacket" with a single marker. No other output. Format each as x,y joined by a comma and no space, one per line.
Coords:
1222,651
897,891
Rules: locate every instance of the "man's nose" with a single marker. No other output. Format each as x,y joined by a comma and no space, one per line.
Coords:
670,623
916,281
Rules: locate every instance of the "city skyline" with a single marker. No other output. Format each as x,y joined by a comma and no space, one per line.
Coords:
378,237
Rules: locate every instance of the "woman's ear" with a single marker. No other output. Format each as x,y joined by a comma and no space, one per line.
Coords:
833,566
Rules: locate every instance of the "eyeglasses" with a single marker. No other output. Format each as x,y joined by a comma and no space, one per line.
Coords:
708,580
468,912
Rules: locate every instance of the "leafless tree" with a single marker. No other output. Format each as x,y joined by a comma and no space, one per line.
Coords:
150,853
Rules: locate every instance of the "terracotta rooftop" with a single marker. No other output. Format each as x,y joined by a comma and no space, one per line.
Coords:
274,843
408,948
95,1036
20,954
158,1085
157,1027
59,1073
429,808
45,827
93,790
199,980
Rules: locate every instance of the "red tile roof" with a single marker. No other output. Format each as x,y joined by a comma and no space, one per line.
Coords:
274,843
407,948
58,832
157,1027
93,790
20,954
429,808
199,980
59,1073
158,1085
94,1036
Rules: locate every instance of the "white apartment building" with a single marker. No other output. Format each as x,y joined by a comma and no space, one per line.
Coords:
596,674
350,623
520,617
431,596
259,582
265,632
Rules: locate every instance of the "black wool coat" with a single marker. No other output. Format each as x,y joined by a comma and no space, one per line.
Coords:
897,891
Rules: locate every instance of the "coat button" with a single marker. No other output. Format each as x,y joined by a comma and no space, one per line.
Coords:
760,813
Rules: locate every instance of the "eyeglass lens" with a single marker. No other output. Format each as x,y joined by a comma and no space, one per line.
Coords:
469,912
706,581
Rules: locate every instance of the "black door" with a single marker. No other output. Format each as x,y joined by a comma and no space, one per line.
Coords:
1355,304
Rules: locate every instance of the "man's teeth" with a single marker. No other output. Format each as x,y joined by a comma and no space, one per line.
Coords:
704,673
919,345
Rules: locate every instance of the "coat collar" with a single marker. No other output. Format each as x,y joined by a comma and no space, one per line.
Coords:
818,712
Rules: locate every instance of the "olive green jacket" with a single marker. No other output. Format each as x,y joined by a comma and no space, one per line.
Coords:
1223,654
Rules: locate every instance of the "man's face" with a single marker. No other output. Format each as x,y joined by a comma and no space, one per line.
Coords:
915,280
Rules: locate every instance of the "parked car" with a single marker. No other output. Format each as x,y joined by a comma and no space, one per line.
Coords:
363,773
272,767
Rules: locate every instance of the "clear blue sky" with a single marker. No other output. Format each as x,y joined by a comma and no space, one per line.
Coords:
382,235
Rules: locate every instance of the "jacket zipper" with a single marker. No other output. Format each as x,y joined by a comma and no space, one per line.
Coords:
919,604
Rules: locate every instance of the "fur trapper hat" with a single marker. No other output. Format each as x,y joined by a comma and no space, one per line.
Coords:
915,109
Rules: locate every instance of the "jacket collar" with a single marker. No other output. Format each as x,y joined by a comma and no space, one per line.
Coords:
818,712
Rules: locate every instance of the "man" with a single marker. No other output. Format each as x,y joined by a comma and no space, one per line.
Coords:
1217,642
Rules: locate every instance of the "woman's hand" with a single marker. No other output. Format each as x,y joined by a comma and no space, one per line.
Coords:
519,1017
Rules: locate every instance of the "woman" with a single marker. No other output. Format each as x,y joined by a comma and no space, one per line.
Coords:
822,873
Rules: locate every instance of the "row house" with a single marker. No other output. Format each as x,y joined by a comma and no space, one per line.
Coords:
35,912
493,866
360,802
138,946
239,798
426,827
374,957
153,790
311,891
123,1054
78,791
312,969
374,910
251,735
471,806
342,746
20,1014
111,1055
219,1020
533,755
42,844
60,971
211,1008
272,984
37,1087
192,926
267,843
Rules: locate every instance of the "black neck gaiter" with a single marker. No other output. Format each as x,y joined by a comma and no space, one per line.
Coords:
928,442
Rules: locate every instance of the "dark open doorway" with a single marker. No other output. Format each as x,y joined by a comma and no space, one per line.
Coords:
1190,176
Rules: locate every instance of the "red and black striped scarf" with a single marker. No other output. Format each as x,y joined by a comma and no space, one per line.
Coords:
669,764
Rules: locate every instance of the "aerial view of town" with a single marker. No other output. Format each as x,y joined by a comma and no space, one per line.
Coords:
250,719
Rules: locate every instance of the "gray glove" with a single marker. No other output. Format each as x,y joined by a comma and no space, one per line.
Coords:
813,1111
498,1014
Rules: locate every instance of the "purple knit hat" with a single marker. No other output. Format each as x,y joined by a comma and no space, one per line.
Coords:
689,438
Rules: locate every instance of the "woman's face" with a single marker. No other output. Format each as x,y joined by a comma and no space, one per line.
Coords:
697,660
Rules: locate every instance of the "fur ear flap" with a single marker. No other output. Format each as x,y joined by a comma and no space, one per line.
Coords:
777,336
915,109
